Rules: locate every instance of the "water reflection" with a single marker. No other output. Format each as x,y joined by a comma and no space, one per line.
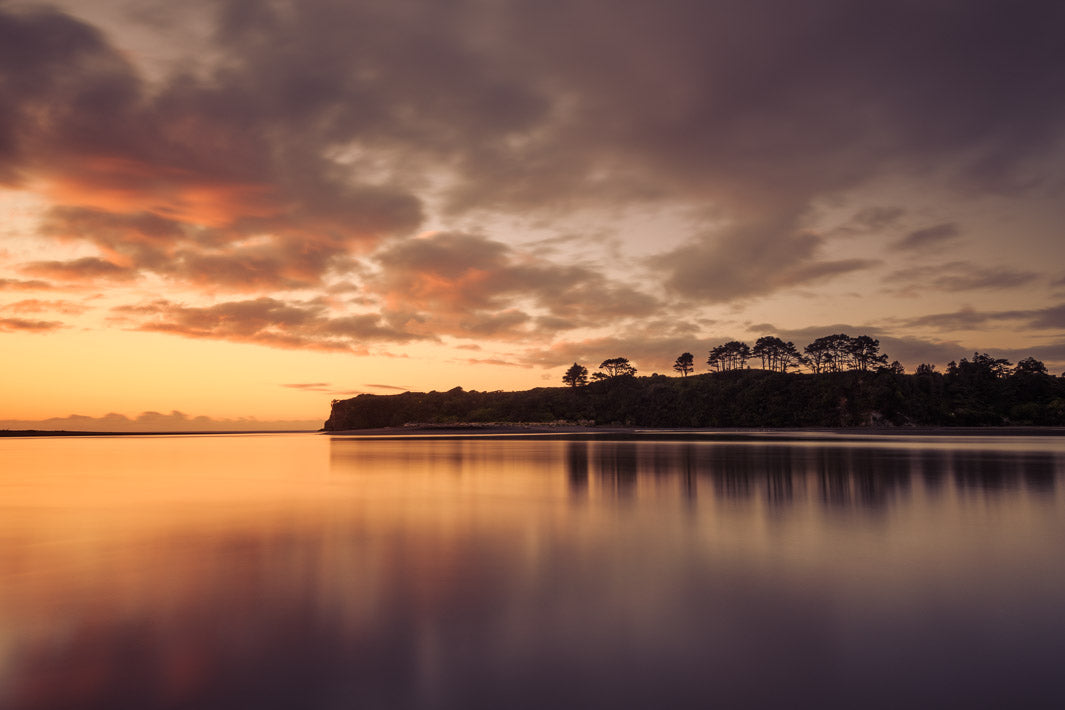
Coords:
456,574
842,477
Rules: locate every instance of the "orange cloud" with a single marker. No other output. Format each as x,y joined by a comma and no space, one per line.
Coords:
123,186
266,321
88,268
32,326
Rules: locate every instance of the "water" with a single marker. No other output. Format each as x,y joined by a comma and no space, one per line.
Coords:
283,571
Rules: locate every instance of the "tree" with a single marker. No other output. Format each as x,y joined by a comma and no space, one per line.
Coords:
894,368
925,369
838,352
1030,366
775,354
684,364
576,376
616,367
864,353
733,355
983,366
820,354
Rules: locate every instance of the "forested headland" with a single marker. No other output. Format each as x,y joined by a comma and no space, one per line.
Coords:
840,390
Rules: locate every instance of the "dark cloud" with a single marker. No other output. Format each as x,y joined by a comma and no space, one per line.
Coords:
874,219
315,132
959,276
388,387
24,285
1050,318
963,319
929,236
750,260
32,326
534,104
265,321
89,268
141,173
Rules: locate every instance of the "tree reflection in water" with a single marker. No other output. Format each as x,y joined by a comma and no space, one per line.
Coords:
843,477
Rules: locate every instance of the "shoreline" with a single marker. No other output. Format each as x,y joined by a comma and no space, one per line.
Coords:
27,433
577,433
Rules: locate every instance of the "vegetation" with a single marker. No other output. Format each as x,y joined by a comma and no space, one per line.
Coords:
730,356
615,367
776,355
849,384
576,376
684,364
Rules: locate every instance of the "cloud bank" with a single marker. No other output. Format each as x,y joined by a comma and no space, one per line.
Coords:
315,177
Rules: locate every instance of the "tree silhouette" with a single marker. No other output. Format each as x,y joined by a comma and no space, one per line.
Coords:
982,367
895,368
1030,366
615,367
733,355
684,364
576,376
776,355
925,369
838,352
864,353
821,354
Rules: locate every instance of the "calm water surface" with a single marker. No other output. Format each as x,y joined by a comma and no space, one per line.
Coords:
303,571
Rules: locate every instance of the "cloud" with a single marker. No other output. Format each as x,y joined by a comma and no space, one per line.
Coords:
1050,318
32,326
265,321
35,305
469,285
23,285
876,218
311,139
89,268
929,237
143,172
310,386
960,276
750,260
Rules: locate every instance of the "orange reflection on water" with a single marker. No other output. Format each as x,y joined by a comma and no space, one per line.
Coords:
276,571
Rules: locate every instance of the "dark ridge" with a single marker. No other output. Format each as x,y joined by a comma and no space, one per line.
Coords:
734,398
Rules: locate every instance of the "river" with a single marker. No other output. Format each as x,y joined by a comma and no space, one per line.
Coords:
309,571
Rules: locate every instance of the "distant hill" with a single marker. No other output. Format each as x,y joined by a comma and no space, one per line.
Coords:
737,398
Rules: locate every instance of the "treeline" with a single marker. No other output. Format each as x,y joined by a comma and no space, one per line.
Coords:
831,353
984,391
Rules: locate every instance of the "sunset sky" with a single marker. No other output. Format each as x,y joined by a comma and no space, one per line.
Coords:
236,209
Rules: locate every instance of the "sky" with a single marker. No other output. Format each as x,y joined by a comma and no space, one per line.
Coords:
226,213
